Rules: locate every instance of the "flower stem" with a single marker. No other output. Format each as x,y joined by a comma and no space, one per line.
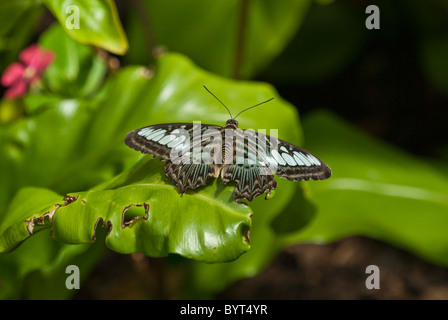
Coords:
241,37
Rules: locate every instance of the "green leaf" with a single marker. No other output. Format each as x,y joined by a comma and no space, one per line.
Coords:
27,200
209,34
37,149
17,25
99,24
76,70
288,212
433,60
36,269
376,190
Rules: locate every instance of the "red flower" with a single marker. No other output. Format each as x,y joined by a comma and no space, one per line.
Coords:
18,76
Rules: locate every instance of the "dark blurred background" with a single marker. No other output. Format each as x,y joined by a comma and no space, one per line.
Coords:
390,82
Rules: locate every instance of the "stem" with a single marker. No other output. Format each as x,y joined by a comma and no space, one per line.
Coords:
142,13
241,36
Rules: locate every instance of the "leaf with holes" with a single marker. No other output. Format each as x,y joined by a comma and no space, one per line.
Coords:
142,212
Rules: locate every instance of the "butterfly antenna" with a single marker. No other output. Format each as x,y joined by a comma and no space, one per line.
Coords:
219,101
253,107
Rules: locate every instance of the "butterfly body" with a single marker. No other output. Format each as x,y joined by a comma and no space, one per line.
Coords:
196,152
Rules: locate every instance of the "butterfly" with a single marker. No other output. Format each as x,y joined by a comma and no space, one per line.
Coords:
195,152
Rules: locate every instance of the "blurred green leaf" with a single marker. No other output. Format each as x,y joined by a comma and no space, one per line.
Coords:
435,65
76,70
426,18
99,24
37,149
36,269
17,23
208,34
376,190
10,12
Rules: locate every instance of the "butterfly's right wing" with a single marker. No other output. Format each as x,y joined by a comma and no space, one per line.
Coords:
263,156
290,161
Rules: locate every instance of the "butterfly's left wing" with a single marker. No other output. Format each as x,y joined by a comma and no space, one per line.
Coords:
160,139
171,140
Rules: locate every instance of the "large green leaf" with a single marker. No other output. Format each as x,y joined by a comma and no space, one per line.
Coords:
99,23
209,33
377,191
37,149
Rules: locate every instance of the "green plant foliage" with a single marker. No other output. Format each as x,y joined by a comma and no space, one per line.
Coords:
71,187
434,64
17,22
76,71
205,224
36,269
67,144
180,26
377,191
98,23
37,149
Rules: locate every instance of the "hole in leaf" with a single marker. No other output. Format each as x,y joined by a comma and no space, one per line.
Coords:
133,213
39,223
101,229
247,236
69,199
